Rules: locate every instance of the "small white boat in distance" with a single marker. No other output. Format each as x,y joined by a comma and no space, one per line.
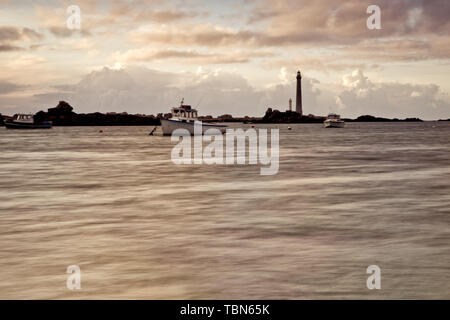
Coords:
184,117
334,121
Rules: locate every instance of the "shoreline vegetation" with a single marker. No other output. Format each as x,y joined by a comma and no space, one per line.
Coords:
63,115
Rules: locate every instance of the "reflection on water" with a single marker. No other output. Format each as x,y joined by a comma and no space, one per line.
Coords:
141,227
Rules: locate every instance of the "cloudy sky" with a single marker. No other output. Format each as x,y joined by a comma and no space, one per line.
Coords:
237,57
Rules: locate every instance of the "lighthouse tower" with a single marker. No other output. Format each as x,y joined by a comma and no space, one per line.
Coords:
290,104
298,102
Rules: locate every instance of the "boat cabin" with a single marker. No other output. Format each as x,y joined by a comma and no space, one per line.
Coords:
333,116
184,113
24,118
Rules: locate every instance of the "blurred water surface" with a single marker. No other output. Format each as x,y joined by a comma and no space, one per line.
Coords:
141,227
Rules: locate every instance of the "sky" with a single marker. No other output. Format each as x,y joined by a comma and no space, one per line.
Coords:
227,57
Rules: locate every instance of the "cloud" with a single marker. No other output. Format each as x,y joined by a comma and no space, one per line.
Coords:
325,63
205,35
412,30
10,36
188,56
64,32
362,96
164,16
8,87
148,11
388,50
7,47
345,21
113,17
8,33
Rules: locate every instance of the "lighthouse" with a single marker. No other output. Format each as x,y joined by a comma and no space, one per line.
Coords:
290,104
298,102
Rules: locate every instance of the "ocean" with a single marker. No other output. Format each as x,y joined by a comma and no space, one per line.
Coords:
140,227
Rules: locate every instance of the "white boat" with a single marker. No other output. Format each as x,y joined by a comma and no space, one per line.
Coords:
334,121
185,117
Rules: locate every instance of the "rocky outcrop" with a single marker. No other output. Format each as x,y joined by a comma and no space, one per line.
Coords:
413,120
275,116
2,123
63,108
368,118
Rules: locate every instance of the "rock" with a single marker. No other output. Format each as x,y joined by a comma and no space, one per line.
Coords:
276,116
41,116
225,117
368,118
63,108
413,120
63,115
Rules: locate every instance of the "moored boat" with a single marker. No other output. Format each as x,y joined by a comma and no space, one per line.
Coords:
334,121
185,117
26,121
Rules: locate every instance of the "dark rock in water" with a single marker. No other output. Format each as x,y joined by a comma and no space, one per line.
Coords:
368,118
41,116
63,108
2,123
61,115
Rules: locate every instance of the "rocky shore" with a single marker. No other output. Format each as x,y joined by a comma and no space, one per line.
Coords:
63,115
275,116
367,118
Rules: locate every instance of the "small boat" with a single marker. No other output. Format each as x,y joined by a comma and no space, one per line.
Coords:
334,121
185,117
26,121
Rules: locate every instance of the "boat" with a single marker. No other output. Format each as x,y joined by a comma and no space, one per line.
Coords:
185,117
334,121
26,121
